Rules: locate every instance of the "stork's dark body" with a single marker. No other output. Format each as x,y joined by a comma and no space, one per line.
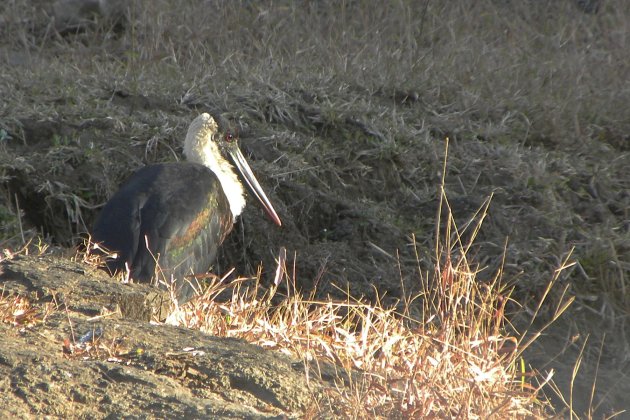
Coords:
181,210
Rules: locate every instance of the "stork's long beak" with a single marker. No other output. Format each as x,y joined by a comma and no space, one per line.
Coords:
252,182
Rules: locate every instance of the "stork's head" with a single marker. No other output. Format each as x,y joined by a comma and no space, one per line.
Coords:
217,148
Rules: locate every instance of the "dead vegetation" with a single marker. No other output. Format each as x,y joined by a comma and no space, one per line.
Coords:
461,358
344,109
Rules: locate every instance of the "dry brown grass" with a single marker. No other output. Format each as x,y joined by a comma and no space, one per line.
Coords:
461,359
18,310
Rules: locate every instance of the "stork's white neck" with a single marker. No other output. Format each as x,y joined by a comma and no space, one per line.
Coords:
199,147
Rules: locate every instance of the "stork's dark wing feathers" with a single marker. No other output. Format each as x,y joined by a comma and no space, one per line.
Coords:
178,209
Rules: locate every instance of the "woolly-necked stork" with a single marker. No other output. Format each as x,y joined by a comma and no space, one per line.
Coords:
179,213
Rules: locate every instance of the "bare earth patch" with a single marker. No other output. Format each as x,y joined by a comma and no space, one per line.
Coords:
83,359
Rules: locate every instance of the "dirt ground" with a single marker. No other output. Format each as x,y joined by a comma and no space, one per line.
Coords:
350,151
137,368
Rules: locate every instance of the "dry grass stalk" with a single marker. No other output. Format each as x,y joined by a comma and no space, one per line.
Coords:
20,312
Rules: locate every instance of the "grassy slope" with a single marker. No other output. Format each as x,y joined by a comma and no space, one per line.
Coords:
357,101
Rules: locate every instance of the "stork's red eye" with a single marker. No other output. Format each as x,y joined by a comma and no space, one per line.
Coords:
229,137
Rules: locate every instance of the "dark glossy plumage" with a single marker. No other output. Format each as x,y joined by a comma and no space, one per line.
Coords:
168,220
182,212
